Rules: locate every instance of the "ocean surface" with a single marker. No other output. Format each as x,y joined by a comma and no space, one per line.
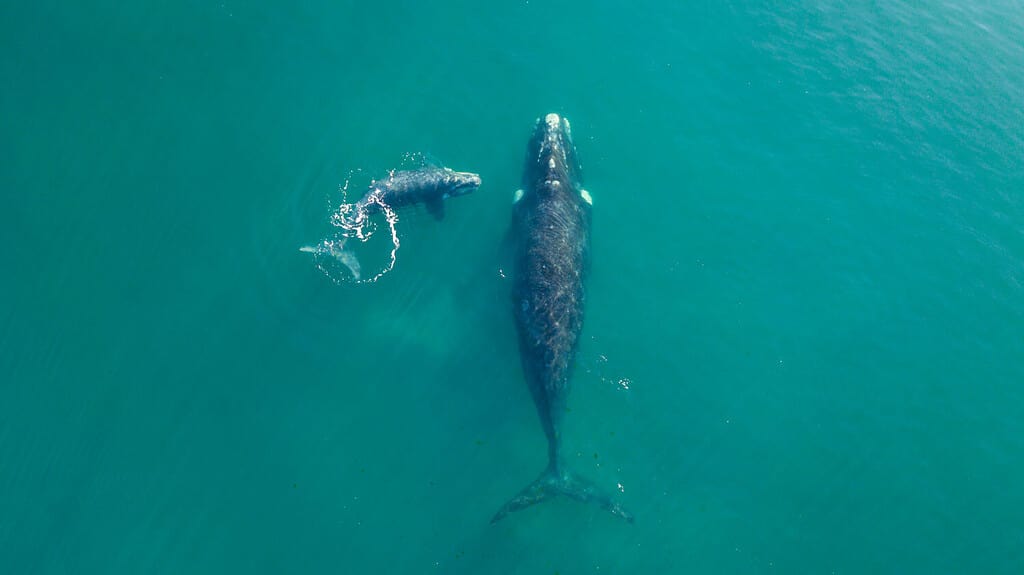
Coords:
804,338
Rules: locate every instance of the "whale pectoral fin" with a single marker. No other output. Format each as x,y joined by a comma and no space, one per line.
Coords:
436,209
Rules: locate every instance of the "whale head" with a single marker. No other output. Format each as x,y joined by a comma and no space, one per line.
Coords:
459,183
551,163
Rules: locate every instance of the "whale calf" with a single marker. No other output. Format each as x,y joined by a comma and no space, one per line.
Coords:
551,230
428,185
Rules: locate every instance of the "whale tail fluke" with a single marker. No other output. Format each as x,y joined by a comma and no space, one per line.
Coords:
552,483
338,251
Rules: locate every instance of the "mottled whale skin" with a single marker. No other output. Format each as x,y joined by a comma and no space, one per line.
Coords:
429,186
551,230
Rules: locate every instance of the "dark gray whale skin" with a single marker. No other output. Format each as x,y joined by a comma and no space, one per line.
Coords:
551,229
429,186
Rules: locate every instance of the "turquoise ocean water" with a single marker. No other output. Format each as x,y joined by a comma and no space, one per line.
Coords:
804,344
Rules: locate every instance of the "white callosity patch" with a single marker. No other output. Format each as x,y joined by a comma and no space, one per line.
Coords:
586,197
517,196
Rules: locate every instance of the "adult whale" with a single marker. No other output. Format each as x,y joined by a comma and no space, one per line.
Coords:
551,227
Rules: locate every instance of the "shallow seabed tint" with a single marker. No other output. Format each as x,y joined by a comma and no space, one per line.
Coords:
805,327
